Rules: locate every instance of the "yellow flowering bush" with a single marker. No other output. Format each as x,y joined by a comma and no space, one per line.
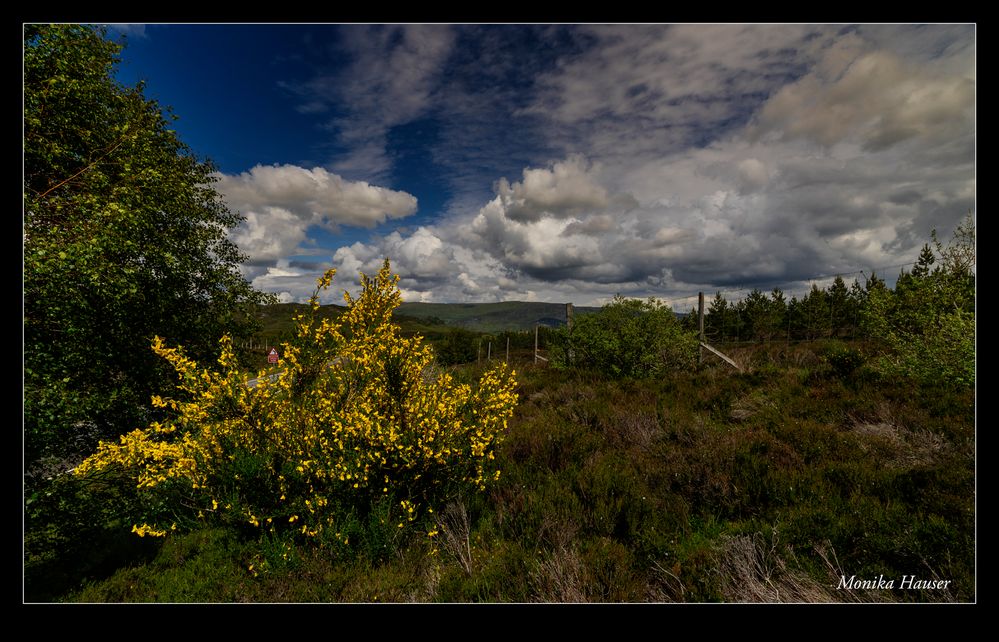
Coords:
357,420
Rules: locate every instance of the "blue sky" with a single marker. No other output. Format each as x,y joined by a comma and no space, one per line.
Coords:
573,162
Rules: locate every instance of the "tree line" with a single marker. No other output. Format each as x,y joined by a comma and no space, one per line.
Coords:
942,278
834,311
923,329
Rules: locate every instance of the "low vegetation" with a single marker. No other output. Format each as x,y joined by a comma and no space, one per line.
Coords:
770,485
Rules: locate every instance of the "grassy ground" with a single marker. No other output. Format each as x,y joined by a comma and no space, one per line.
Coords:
768,485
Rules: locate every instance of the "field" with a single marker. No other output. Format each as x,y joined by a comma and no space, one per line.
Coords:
778,484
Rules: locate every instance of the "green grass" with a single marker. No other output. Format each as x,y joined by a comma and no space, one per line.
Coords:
704,486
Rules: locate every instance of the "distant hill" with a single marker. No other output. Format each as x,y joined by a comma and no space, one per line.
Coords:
492,317
432,319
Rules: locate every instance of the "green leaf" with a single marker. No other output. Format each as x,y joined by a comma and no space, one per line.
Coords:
111,230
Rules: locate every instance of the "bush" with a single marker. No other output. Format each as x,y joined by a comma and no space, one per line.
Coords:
927,324
358,419
627,338
843,359
458,346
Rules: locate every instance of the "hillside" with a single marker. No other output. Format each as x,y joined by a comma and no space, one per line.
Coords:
493,317
430,319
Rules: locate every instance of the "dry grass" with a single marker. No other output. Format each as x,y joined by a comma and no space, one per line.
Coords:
560,577
454,530
749,405
905,448
752,570
431,584
632,427
750,357
666,585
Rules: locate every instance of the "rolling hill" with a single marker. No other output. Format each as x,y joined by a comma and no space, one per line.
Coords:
432,319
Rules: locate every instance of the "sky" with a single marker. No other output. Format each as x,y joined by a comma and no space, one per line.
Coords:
572,163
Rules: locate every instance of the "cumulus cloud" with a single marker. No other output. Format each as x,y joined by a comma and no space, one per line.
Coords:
289,283
431,267
566,188
775,152
618,241
421,256
280,202
596,225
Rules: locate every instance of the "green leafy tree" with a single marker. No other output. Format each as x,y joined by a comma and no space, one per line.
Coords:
777,317
794,318
124,238
763,315
627,338
927,323
924,264
733,324
716,318
691,321
814,310
840,308
857,299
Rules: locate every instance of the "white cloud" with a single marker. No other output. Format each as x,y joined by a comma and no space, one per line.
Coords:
268,233
700,157
568,187
595,225
280,202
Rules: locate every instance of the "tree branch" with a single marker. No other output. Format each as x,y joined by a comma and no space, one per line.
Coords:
61,183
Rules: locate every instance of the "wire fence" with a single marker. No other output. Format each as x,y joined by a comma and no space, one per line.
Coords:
789,322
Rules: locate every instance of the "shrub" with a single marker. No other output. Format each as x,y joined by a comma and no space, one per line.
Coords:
843,359
927,324
458,346
627,338
357,419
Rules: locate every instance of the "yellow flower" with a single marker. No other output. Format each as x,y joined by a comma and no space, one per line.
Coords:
332,434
